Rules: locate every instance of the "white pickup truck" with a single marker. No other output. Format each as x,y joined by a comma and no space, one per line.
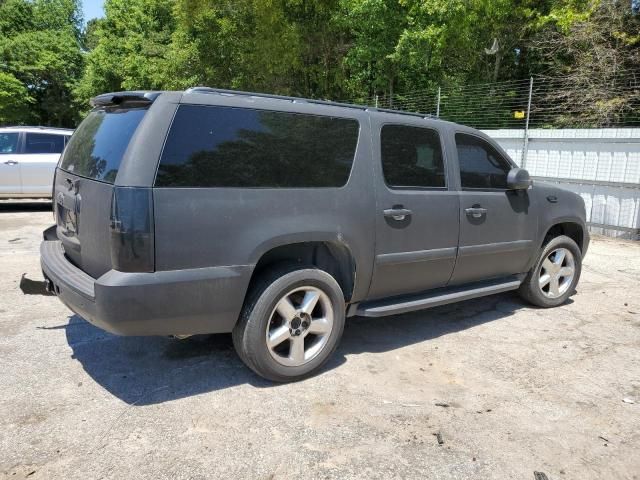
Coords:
28,159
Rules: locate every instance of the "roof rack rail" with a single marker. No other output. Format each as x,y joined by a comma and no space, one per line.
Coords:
223,91
402,112
39,127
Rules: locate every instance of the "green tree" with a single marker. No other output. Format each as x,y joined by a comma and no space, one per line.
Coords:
40,49
128,48
52,65
15,101
594,46
244,44
90,35
371,62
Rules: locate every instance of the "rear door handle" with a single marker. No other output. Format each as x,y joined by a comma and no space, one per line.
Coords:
475,212
10,162
397,213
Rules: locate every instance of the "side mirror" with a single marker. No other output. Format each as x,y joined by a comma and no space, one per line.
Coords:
518,179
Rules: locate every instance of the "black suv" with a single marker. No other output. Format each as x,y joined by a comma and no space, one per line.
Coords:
207,211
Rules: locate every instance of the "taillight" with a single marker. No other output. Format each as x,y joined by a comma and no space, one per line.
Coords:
131,229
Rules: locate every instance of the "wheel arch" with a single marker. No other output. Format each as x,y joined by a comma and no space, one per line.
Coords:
571,228
326,253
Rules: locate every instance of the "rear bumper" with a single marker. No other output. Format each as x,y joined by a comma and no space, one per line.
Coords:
178,302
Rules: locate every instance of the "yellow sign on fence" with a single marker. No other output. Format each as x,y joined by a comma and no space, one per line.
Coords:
518,114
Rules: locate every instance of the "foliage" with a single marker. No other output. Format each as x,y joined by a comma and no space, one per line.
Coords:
40,60
51,64
128,47
14,100
595,47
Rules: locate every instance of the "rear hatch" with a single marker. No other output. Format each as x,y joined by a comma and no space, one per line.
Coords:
84,182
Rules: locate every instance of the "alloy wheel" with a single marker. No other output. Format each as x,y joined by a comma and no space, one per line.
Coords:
556,273
300,326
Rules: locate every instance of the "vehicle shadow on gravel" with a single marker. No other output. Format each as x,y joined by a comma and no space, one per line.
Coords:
151,370
389,333
8,206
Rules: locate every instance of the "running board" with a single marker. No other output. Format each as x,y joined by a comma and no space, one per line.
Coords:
435,298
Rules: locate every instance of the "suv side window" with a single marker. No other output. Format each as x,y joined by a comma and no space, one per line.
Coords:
43,143
8,142
411,157
210,146
481,165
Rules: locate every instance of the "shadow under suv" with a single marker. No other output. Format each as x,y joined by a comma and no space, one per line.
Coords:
209,211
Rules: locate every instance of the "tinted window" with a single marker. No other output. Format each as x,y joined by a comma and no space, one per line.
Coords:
235,147
411,157
43,143
481,166
96,148
8,142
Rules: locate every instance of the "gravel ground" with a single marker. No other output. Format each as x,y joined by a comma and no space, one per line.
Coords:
510,389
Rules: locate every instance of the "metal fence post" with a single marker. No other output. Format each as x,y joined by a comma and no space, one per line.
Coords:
438,104
376,101
525,147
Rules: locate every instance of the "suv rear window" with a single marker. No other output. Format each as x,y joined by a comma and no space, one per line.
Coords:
237,147
97,146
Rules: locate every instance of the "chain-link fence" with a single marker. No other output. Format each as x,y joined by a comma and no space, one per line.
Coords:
539,102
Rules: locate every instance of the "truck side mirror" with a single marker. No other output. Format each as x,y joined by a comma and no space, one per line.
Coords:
518,179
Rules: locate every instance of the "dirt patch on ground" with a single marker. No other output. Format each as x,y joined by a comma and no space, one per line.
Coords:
490,388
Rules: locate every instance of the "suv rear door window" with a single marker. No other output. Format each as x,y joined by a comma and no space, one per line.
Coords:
237,147
96,148
43,143
8,142
481,165
411,157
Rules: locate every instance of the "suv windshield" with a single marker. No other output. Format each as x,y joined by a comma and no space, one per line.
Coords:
97,146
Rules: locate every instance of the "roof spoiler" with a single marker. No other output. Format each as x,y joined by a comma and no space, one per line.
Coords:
132,98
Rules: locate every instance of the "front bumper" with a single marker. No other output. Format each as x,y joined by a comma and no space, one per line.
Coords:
177,302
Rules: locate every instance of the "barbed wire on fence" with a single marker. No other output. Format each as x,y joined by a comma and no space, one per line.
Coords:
540,102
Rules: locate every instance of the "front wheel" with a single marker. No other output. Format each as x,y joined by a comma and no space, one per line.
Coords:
291,323
555,275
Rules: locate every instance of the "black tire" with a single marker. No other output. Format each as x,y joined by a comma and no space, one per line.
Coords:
530,289
249,334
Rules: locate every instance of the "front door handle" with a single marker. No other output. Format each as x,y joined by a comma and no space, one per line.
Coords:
10,162
397,213
475,212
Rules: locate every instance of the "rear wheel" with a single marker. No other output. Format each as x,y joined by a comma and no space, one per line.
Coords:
291,323
555,275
